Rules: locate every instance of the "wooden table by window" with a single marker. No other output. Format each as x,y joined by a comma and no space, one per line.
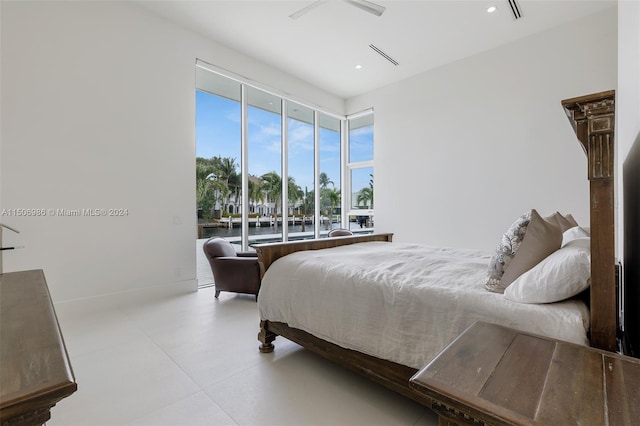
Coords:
35,372
499,376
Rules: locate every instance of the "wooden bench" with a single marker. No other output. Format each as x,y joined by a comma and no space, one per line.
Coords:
498,376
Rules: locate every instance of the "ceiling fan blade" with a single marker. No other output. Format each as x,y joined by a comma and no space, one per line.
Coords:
367,6
306,9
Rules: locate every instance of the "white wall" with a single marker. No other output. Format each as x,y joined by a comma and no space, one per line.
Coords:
628,95
98,111
461,151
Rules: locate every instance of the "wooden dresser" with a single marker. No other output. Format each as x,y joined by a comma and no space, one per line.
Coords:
498,376
35,372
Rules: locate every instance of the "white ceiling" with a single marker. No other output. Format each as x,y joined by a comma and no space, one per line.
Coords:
323,46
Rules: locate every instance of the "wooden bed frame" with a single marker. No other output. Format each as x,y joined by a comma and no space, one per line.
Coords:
592,118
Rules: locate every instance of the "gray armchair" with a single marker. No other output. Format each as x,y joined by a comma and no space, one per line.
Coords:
238,272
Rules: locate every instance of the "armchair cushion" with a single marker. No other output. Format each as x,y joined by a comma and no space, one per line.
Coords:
339,232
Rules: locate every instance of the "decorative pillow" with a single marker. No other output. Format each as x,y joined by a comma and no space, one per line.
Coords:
565,222
573,233
527,241
506,250
563,274
571,220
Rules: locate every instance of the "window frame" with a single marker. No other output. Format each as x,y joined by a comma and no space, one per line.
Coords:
345,167
350,166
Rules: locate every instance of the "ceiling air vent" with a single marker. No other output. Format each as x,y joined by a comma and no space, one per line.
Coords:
384,55
515,9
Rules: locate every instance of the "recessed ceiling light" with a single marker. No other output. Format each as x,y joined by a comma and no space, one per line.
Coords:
358,67
491,9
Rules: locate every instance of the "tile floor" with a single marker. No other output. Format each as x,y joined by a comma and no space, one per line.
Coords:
193,360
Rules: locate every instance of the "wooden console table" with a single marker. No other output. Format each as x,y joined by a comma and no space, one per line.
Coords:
35,372
498,376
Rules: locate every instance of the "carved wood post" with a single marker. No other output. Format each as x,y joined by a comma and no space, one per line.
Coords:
593,120
265,337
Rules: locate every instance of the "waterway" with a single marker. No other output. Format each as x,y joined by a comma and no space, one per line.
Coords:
270,233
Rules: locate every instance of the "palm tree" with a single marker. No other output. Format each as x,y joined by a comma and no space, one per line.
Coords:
255,192
272,185
208,188
334,198
216,180
364,196
226,168
308,200
294,191
325,181
235,188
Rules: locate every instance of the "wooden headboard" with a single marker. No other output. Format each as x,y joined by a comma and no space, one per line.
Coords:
593,120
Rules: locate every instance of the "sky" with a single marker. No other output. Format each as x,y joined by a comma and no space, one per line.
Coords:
218,134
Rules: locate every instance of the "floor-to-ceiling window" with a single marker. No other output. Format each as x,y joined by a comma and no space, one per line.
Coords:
264,144
218,149
271,168
330,176
300,143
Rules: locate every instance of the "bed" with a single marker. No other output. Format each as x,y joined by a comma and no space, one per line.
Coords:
370,309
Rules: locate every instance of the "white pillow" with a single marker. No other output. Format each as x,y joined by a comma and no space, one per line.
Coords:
563,274
573,233
526,243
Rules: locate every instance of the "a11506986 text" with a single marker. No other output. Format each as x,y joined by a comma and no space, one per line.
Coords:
57,212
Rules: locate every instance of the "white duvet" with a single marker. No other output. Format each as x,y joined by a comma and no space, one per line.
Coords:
401,302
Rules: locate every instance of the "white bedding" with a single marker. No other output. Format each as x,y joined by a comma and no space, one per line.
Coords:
401,302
